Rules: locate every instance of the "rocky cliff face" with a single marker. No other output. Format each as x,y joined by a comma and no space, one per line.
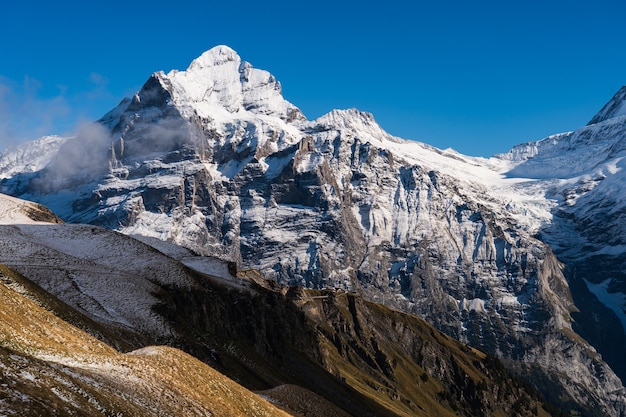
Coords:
215,160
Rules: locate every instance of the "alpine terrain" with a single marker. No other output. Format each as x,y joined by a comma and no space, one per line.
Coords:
93,322
520,255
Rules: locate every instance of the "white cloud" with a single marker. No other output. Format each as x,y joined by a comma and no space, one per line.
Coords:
81,157
26,114
29,110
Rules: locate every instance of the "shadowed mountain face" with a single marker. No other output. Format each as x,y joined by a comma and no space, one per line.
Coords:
214,159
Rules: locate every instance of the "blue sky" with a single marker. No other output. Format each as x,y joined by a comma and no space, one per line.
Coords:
477,76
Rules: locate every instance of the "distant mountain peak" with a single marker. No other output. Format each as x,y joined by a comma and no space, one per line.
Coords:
354,120
614,108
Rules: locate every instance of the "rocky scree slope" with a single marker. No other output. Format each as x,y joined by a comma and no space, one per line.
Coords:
215,160
333,351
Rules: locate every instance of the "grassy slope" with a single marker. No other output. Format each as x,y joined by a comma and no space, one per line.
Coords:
50,367
414,369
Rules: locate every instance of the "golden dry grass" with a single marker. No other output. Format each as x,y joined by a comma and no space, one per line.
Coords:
51,365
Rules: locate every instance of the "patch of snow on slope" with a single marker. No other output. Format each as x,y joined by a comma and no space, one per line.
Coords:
109,275
204,264
12,210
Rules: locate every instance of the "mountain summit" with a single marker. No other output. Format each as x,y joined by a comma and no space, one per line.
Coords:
219,81
215,160
614,108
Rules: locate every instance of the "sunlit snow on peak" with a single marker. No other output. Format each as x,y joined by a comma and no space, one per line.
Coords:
215,56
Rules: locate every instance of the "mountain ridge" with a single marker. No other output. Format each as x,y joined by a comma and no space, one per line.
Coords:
338,203
614,108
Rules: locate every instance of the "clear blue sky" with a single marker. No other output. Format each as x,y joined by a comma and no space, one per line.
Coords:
476,76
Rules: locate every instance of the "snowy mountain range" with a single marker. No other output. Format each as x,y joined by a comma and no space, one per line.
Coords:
520,255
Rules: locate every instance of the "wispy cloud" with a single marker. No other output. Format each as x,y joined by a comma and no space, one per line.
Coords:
80,158
26,114
29,110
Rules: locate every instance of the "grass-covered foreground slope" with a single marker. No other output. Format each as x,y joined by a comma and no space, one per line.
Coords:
49,367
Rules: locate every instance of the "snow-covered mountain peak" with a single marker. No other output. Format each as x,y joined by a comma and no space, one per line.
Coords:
219,83
569,155
614,108
338,117
359,122
217,55
29,156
